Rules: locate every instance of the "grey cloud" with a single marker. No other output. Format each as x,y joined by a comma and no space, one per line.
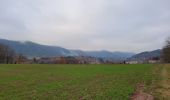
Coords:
124,25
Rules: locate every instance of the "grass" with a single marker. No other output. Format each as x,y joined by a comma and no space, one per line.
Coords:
162,85
72,82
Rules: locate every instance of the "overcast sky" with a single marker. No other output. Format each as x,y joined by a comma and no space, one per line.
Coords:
114,25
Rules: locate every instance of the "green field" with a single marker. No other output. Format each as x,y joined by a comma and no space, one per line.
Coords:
72,82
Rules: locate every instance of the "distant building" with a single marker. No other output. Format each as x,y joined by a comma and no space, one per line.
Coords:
144,60
45,60
154,60
88,60
132,62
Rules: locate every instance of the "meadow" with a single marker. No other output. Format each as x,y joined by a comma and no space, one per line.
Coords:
72,82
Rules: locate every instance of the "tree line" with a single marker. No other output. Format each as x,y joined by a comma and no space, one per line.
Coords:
7,55
166,52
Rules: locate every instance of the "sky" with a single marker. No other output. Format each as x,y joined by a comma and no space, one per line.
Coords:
114,25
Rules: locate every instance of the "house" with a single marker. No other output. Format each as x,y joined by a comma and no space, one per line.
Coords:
132,62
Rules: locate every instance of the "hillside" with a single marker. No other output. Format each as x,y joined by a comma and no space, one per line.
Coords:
32,49
146,55
106,54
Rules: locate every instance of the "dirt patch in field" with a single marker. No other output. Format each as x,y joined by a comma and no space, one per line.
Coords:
140,94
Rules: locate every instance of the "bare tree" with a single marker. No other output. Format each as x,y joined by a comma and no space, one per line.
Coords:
6,54
20,59
166,51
